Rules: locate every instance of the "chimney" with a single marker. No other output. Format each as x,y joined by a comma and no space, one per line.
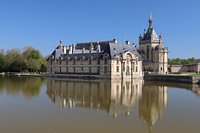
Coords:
73,48
91,47
83,50
98,48
115,41
70,49
128,42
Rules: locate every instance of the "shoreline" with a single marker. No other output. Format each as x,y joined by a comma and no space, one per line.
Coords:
191,79
166,78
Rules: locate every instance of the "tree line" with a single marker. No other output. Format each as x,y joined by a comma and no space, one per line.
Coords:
178,61
27,60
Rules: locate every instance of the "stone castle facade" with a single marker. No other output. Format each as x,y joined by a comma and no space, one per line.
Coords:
153,51
105,59
110,59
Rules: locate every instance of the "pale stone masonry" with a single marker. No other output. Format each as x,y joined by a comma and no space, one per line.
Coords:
104,59
153,51
111,60
187,68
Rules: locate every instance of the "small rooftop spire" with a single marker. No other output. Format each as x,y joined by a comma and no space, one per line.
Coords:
61,43
150,20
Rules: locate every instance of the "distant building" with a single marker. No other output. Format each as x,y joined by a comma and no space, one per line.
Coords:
152,50
105,59
187,68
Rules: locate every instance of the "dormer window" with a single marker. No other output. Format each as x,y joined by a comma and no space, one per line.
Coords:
90,60
74,60
67,61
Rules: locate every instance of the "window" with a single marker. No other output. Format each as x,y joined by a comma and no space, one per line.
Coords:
60,61
123,67
74,61
105,69
90,60
117,68
127,69
117,62
105,61
98,61
118,92
90,70
66,69
51,62
136,69
133,66
147,52
128,61
81,69
98,70
74,69
60,69
127,85
67,61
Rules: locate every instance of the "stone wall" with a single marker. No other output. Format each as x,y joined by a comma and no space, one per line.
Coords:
119,68
195,68
173,78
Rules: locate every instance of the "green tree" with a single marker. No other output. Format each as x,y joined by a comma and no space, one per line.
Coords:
29,60
178,61
2,62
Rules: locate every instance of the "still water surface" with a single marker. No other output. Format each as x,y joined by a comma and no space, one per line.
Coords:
36,105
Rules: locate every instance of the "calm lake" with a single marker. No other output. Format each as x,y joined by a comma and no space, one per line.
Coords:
37,105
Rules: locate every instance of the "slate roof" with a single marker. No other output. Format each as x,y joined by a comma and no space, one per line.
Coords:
106,47
150,34
111,48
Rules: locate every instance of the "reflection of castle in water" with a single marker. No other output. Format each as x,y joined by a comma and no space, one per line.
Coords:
113,96
152,104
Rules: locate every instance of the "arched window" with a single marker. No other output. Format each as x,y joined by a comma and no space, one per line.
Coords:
90,60
127,69
74,61
105,61
90,70
117,61
67,61
117,68
147,52
98,61
81,69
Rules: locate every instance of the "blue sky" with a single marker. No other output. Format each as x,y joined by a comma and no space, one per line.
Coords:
42,23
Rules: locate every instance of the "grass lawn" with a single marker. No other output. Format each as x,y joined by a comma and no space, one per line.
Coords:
194,75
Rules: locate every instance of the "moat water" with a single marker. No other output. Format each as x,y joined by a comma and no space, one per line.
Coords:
37,105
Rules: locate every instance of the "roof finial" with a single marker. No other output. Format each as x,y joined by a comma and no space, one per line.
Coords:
60,43
150,20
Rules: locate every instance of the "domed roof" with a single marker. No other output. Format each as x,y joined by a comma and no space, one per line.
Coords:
159,47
